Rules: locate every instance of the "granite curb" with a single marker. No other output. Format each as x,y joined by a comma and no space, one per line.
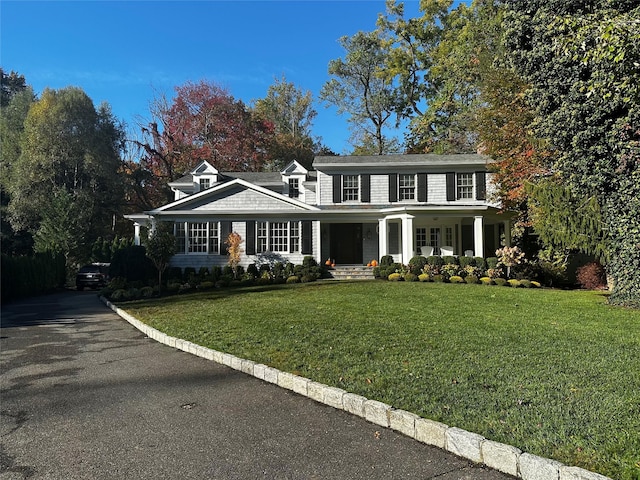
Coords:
467,445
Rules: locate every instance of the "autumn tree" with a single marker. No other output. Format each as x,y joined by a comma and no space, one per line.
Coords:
359,90
202,122
291,112
69,161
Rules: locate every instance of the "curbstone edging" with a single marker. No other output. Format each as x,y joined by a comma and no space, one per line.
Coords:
501,457
464,444
431,432
474,447
533,467
377,412
576,473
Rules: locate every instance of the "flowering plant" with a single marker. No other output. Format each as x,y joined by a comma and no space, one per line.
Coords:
510,257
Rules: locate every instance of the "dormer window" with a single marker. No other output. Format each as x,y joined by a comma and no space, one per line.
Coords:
294,187
205,183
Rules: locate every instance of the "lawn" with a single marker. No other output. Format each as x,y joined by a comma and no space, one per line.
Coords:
555,373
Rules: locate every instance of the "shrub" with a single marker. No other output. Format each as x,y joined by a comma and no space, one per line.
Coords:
466,262
416,264
471,279
525,283
500,282
492,262
376,272
386,261
486,281
293,279
456,279
451,260
309,261
410,277
513,282
395,277
118,283
480,263
216,272
435,261
227,271
253,270
450,270
119,294
132,264
592,276
206,284
203,272
424,277
173,286
535,284
133,293
146,292
438,278
264,281
174,273
307,278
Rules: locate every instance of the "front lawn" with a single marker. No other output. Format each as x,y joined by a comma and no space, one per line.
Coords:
555,373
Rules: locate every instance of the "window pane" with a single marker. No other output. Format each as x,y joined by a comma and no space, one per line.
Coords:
464,185
278,237
214,238
407,187
295,237
180,233
351,187
197,237
294,188
421,237
261,244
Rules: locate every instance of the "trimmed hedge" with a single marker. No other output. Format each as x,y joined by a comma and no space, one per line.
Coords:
28,276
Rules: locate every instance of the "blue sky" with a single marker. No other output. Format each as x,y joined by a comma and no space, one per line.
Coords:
126,53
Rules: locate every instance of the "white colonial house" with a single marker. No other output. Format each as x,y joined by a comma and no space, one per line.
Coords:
351,209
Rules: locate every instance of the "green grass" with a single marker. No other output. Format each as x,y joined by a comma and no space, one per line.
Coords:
555,373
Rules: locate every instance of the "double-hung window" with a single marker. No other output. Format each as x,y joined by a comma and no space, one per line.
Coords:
279,236
294,187
181,236
214,237
282,237
205,183
464,185
351,188
197,239
406,187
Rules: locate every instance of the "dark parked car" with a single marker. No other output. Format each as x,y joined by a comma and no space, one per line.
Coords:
93,276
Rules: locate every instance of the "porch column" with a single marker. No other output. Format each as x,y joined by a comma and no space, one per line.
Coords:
317,247
407,238
136,233
382,238
478,236
507,233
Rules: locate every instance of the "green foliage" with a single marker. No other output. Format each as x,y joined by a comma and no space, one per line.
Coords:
471,279
410,277
451,260
293,279
132,264
500,281
30,276
103,249
161,246
436,261
492,262
386,260
416,264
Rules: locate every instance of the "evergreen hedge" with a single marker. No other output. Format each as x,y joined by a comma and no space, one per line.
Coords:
28,276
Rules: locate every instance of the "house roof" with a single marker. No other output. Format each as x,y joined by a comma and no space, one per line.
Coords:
427,159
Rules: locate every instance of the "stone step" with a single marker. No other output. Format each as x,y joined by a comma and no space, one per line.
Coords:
352,273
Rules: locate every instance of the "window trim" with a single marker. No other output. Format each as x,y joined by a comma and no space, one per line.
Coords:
469,188
404,190
351,191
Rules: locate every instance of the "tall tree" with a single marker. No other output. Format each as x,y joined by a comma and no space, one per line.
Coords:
581,61
67,146
17,98
291,111
202,122
359,90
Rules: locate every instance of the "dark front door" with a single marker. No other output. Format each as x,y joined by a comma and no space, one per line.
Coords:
346,243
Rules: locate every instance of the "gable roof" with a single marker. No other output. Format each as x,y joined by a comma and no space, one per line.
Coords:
232,187
426,159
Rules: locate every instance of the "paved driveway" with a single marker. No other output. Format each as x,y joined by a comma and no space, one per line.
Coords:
86,396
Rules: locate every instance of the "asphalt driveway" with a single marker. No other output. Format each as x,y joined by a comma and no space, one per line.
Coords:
86,396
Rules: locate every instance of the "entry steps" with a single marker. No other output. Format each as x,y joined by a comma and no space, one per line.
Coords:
352,272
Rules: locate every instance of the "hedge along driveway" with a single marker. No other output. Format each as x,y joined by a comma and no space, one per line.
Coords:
555,373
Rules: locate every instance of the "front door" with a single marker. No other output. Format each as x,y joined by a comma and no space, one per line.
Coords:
346,243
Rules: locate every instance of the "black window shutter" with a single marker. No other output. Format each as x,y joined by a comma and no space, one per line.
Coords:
393,187
307,244
422,187
225,230
451,186
365,189
250,243
481,185
337,188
